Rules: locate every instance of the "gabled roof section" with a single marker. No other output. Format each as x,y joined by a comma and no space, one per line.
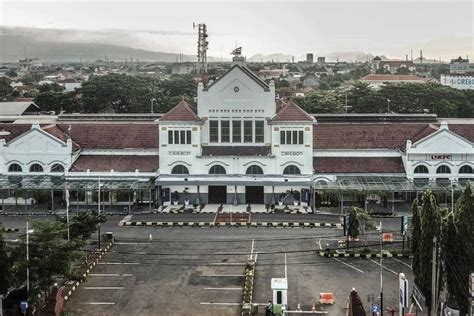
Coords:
291,112
246,71
443,129
181,112
18,108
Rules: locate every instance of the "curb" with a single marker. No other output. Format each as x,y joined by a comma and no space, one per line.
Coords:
366,256
235,224
10,230
27,214
88,271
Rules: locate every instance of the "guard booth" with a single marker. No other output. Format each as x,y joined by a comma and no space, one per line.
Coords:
280,295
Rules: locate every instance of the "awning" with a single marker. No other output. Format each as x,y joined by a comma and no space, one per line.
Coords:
243,180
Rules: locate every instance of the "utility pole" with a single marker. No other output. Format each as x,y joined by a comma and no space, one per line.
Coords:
433,278
381,270
98,210
27,262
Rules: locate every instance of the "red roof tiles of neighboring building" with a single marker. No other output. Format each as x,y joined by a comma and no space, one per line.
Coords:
358,165
368,136
292,112
385,77
181,112
114,136
119,163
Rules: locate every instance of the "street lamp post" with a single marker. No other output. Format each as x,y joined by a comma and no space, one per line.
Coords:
28,232
388,106
98,210
152,100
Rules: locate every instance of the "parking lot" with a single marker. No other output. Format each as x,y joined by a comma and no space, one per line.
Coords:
192,270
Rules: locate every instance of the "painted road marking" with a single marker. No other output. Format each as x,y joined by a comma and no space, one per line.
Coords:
227,263
99,303
103,287
384,267
224,288
402,262
111,274
349,265
132,243
125,263
224,304
222,275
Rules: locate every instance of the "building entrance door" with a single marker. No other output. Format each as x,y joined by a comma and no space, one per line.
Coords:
217,194
254,195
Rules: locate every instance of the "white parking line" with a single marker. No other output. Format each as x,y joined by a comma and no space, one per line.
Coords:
384,267
125,263
111,274
223,304
103,287
224,288
99,303
349,265
227,263
132,243
402,262
222,275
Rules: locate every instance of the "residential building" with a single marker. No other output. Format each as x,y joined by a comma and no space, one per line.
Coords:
376,81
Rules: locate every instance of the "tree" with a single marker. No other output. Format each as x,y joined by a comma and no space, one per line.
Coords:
402,71
83,225
51,100
461,262
354,224
6,91
50,87
4,266
320,102
430,228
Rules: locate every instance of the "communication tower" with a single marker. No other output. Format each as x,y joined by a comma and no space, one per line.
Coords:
202,47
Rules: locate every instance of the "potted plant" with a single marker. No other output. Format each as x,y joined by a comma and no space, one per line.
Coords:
281,199
296,197
186,199
175,197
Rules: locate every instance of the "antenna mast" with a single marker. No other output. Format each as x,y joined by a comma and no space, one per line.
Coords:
202,47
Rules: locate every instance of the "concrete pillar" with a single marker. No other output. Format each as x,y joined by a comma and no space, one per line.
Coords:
52,200
198,199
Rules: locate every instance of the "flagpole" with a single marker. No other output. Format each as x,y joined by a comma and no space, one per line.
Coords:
67,213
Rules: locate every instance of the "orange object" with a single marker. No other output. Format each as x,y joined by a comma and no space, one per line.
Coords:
387,237
326,298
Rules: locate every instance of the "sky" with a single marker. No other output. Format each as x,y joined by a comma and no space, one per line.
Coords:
393,28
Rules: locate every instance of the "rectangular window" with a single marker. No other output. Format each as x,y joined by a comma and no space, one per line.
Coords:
170,137
182,137
248,132
236,131
288,137
225,131
176,137
259,132
300,137
214,131
188,137
295,138
282,138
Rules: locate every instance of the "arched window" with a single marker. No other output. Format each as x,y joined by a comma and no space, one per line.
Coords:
421,169
57,168
292,169
217,169
254,169
465,169
14,167
179,169
36,168
443,169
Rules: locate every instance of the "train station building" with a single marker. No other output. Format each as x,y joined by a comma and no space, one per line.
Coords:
239,146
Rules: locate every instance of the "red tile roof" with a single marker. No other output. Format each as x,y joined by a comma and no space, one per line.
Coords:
292,112
375,77
358,165
368,136
119,163
114,135
181,112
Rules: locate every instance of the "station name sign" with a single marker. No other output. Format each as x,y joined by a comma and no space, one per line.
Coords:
292,153
179,153
441,157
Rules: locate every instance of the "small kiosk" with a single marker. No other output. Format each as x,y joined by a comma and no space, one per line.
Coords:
280,298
